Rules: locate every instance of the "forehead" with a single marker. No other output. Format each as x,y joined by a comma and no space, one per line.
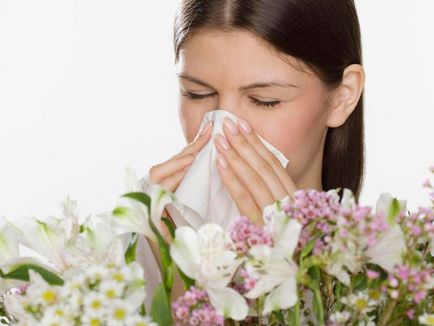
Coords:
239,55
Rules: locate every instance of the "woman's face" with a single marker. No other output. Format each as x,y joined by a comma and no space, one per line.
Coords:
236,71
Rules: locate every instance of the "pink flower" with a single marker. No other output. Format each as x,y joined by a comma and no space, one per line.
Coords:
372,274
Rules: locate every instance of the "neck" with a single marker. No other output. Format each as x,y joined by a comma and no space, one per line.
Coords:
311,176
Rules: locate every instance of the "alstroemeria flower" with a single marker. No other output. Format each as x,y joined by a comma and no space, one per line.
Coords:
387,251
131,215
50,236
202,256
349,253
8,243
272,266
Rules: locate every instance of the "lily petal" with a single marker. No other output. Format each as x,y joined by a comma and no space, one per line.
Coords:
387,251
184,251
228,303
283,297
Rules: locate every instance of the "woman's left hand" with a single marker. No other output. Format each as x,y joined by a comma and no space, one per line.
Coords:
252,174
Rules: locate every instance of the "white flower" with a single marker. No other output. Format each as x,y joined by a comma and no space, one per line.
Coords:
385,252
273,267
360,302
118,313
111,289
8,242
137,320
91,320
94,304
96,244
40,291
55,315
426,319
340,317
202,256
131,215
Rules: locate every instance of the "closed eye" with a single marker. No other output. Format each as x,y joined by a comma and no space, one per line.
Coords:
197,97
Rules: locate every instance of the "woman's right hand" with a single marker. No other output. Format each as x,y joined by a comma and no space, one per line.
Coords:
170,173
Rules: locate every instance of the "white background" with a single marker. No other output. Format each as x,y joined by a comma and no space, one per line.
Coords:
88,88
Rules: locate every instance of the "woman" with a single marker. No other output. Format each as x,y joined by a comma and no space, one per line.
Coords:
291,70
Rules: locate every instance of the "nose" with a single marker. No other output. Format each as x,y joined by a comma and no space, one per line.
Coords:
230,103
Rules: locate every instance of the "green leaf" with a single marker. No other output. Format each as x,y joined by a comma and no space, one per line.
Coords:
314,285
394,210
169,225
359,282
21,272
188,282
294,314
130,253
166,259
141,197
160,308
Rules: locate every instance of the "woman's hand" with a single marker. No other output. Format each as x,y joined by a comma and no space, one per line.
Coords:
252,174
170,173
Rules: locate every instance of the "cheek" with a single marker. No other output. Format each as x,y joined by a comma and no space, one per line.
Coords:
190,119
296,132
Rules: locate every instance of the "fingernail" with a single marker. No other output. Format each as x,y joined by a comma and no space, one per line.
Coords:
223,143
230,125
206,128
222,162
244,126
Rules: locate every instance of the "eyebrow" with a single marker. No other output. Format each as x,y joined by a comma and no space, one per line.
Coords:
243,88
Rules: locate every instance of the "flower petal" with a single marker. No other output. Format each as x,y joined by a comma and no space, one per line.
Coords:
387,251
228,303
185,251
283,297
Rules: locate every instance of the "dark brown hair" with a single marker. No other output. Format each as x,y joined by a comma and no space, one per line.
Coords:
323,34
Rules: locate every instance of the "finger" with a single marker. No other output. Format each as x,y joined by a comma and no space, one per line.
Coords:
271,159
251,180
172,182
239,193
246,151
197,144
163,170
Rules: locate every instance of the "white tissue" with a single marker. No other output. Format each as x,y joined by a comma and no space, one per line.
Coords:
202,196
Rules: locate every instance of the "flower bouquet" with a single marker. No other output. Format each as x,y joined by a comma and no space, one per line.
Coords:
317,259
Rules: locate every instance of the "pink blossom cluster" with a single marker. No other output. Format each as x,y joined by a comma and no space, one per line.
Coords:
418,226
311,205
322,212
194,308
246,234
416,281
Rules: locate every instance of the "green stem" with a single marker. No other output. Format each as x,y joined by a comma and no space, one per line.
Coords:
387,312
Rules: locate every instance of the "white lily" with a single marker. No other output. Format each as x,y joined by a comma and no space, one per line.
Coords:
273,267
130,215
8,243
202,256
385,252
96,244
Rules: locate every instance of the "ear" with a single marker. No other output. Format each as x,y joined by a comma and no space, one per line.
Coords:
346,96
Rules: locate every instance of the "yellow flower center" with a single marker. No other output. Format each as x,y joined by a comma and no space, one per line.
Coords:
49,296
111,293
361,304
118,277
95,322
96,304
430,320
119,313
